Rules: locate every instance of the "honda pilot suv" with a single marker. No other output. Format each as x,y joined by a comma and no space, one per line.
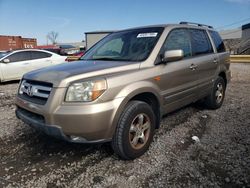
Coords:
123,85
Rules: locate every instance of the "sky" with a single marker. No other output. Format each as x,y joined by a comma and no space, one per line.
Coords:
72,18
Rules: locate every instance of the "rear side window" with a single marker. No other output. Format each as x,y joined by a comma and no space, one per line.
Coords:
178,39
40,55
200,42
19,56
217,41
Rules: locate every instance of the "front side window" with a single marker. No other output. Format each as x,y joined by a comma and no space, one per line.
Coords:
200,42
19,56
178,39
129,45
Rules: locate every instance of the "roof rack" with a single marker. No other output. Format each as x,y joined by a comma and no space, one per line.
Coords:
197,24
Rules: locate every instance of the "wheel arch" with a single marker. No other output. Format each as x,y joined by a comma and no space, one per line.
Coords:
153,102
146,95
223,75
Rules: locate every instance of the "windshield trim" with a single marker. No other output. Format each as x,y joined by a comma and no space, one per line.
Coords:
160,28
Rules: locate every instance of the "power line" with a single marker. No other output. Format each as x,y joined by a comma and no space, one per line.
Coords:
234,23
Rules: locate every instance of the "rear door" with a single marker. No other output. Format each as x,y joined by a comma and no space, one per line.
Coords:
179,78
18,65
205,60
221,53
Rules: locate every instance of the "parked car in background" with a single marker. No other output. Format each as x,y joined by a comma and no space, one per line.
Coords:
61,49
75,56
14,64
51,48
67,49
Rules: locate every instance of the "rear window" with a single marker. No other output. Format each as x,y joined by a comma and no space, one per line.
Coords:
200,42
217,41
40,55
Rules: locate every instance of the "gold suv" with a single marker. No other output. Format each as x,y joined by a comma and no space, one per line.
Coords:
119,90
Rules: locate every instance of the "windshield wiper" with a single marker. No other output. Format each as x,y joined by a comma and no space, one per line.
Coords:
108,59
104,58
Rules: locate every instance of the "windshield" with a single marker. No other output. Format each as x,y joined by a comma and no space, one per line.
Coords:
2,54
129,45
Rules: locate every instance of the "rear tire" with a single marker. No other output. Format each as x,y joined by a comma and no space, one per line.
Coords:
216,97
134,131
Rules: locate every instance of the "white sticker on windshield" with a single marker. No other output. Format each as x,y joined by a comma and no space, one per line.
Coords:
142,35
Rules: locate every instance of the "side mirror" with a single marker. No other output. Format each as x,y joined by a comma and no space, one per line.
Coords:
6,60
173,55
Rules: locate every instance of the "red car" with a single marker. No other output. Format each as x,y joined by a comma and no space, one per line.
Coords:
75,56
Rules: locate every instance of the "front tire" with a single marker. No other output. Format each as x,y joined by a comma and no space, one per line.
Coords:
134,131
216,97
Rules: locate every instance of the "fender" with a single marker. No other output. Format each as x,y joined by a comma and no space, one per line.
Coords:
223,67
131,91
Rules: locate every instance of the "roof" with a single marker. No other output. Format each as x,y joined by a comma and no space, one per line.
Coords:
181,24
9,36
100,32
32,49
18,37
246,26
186,24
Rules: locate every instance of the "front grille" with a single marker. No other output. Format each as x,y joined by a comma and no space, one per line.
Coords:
31,115
35,91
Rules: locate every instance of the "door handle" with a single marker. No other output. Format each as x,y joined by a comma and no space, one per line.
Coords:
215,61
193,67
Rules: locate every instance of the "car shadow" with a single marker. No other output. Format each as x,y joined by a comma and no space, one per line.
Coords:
47,145
10,82
40,146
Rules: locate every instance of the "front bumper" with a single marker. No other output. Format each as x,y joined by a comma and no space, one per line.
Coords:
50,130
74,123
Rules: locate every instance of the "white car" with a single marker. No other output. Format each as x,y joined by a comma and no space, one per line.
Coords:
15,64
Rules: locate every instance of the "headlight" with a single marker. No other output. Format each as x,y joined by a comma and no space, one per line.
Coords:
85,91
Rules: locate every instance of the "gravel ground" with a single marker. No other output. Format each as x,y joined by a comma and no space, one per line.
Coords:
220,158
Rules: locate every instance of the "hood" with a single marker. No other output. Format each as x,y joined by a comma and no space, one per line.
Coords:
79,69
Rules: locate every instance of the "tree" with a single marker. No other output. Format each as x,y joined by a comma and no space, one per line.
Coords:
52,36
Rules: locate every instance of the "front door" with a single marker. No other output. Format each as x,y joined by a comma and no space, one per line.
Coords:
179,78
18,65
